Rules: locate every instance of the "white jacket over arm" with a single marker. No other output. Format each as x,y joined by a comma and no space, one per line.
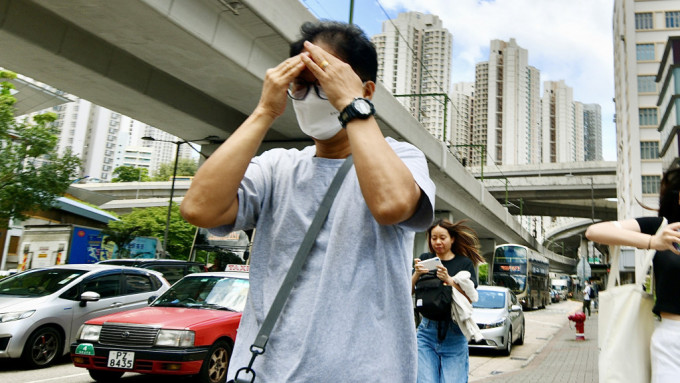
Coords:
461,312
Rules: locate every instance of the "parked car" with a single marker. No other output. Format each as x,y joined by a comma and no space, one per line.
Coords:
189,330
42,309
172,269
555,296
562,293
500,319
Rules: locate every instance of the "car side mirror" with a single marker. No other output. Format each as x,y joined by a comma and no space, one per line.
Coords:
516,308
151,299
88,296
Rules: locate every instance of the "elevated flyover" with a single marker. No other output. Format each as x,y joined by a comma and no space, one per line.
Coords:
195,69
577,189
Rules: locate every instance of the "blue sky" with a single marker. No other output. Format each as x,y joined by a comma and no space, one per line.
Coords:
568,40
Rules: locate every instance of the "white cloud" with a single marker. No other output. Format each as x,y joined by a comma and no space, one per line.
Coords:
567,40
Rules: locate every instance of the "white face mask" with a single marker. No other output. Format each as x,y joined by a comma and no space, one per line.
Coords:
317,118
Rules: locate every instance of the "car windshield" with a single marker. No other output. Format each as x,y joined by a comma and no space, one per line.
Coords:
207,292
38,283
490,300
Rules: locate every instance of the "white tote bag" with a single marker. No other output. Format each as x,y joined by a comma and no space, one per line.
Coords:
625,325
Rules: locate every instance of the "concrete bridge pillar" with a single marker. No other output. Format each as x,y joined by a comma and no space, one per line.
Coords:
487,247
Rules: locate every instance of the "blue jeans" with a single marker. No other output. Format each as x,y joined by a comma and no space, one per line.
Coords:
444,361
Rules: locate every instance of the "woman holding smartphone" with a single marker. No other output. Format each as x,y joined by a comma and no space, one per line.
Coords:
442,348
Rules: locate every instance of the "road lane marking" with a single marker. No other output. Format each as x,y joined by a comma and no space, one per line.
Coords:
58,378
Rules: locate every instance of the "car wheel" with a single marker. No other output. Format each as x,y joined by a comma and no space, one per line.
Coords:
105,376
520,340
43,347
214,368
508,343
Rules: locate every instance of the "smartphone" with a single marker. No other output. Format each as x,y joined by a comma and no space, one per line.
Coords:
432,263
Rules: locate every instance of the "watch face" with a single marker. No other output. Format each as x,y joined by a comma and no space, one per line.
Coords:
362,107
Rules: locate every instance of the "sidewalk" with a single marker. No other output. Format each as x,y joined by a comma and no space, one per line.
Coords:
562,360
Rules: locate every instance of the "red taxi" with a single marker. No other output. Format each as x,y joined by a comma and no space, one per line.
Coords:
189,330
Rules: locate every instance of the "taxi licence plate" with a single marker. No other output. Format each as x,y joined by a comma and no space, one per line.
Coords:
121,359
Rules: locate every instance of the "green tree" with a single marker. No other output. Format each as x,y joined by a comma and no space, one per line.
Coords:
150,222
130,174
122,235
32,174
483,274
185,167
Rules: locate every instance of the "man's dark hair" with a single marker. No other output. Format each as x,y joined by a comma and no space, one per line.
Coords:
348,41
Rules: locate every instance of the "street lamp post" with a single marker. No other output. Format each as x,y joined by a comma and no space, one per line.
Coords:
172,193
172,187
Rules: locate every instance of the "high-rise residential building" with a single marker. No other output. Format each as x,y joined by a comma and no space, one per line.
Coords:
72,121
507,107
592,132
558,123
101,143
104,139
414,63
640,29
137,157
578,133
462,101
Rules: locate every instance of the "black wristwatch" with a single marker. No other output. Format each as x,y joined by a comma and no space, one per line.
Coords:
360,108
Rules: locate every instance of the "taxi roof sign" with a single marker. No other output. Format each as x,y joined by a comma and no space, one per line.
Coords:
236,267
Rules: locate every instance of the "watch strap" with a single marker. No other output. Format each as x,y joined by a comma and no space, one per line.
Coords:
350,112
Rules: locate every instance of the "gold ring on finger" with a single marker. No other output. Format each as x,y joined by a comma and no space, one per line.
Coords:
324,64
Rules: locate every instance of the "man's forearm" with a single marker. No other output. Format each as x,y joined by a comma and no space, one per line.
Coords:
212,198
387,184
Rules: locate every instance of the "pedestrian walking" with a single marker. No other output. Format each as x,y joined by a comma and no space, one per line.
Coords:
443,355
587,296
642,233
348,317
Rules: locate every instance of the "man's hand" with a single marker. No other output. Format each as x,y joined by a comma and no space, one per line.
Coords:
276,81
336,77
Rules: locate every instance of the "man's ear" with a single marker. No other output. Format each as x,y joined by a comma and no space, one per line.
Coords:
369,90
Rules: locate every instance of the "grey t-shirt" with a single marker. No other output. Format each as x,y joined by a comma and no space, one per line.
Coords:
349,317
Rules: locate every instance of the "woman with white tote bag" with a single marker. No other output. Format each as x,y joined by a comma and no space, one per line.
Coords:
650,233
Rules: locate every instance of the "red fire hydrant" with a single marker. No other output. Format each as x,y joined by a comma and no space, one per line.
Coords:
579,319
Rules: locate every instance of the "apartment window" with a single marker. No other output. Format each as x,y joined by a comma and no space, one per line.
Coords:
649,150
645,52
673,19
650,184
644,21
648,116
646,84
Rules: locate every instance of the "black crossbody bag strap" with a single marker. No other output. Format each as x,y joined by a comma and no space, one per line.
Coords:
258,347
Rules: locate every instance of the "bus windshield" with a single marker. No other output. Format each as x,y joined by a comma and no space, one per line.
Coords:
510,267
510,255
524,271
515,282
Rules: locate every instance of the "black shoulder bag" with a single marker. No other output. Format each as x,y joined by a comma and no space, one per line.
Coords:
258,347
